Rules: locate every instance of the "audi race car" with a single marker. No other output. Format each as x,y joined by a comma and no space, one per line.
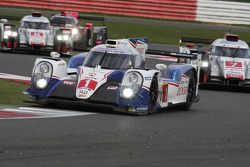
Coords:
114,75
35,34
81,38
8,35
226,63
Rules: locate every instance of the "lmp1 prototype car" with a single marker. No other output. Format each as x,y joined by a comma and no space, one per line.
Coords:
227,63
81,37
8,35
35,34
114,75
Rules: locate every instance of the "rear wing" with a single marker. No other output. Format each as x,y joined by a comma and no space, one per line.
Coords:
196,40
173,54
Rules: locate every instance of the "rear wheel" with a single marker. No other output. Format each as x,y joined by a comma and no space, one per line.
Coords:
153,94
191,92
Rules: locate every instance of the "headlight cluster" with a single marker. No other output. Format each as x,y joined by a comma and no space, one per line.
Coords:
62,37
131,84
9,33
75,31
42,74
204,64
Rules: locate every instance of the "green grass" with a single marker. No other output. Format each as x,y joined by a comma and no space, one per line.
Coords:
11,93
164,34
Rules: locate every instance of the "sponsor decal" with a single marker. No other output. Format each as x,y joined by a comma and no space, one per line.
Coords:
83,92
91,84
164,97
234,75
70,83
182,91
235,65
148,78
141,108
112,87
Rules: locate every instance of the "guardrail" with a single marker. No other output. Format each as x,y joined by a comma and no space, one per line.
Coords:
161,9
191,10
223,12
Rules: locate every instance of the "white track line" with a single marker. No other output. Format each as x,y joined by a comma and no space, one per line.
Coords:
44,112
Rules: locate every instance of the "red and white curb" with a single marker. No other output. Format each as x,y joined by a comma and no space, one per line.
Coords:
16,78
37,112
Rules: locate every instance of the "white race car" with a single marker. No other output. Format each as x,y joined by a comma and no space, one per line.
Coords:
226,63
35,33
114,75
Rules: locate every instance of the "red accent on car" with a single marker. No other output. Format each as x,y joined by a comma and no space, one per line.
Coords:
73,14
36,14
82,84
232,37
232,64
92,84
8,44
98,42
89,26
165,93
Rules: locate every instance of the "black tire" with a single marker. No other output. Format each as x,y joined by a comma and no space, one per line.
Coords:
153,95
191,95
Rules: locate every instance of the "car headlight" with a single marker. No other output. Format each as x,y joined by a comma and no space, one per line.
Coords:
44,68
8,32
59,37
42,74
14,34
65,37
131,84
41,83
75,31
204,64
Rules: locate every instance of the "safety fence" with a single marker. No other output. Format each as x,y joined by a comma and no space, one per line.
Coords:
162,9
190,10
223,12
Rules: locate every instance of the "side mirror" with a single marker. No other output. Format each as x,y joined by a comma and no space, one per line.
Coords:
161,67
54,55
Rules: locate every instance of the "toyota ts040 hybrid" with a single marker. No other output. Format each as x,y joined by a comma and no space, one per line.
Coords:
35,33
226,63
114,74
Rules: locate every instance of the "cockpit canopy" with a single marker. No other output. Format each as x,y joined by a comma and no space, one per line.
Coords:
35,25
63,20
112,60
230,52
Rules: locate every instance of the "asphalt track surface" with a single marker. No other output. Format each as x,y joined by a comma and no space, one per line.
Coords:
214,133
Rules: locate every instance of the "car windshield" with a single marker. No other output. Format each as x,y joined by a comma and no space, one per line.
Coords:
61,21
231,52
36,25
109,60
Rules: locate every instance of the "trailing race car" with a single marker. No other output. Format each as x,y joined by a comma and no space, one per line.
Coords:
81,37
35,34
227,62
8,35
114,75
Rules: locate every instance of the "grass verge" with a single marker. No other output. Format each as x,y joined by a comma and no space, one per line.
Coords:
11,93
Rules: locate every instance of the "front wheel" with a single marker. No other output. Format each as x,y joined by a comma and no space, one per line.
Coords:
153,94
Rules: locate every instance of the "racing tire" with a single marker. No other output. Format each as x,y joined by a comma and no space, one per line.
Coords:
153,95
191,92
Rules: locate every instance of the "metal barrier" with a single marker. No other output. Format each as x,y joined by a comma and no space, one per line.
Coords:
160,9
223,12
191,10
